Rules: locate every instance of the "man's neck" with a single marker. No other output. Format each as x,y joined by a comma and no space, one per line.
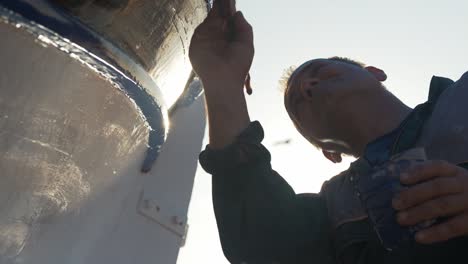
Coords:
383,116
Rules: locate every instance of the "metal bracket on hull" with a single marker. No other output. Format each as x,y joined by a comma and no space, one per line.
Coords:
159,213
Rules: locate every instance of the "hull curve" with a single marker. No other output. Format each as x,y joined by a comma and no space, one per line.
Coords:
84,133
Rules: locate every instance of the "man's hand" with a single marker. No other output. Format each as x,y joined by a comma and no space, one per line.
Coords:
221,53
222,47
438,190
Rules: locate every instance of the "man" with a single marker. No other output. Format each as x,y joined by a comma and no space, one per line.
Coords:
341,107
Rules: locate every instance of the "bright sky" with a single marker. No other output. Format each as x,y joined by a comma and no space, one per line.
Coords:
412,40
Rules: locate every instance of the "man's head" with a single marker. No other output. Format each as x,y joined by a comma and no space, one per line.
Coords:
327,98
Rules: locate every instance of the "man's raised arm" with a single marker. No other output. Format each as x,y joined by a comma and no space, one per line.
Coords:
260,219
221,53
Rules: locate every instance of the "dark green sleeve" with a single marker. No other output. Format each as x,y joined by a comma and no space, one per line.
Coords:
260,218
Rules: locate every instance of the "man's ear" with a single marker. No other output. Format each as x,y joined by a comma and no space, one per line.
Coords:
378,73
334,157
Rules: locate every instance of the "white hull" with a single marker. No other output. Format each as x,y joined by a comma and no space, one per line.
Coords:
73,138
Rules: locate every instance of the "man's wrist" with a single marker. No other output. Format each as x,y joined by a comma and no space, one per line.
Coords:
227,96
214,85
227,113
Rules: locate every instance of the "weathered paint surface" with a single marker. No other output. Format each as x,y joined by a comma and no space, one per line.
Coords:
148,102
75,127
156,34
153,34
62,125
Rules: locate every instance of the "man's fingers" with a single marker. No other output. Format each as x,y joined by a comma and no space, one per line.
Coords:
426,191
223,8
208,30
243,30
455,227
223,21
216,9
227,7
433,209
428,170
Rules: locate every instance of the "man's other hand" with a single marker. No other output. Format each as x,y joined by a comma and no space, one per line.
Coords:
222,48
439,190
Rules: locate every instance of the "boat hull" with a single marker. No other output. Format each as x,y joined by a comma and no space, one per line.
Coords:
91,168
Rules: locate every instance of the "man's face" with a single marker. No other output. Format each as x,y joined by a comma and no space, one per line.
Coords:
316,98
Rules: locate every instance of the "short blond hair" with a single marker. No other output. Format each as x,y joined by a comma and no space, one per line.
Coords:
288,72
